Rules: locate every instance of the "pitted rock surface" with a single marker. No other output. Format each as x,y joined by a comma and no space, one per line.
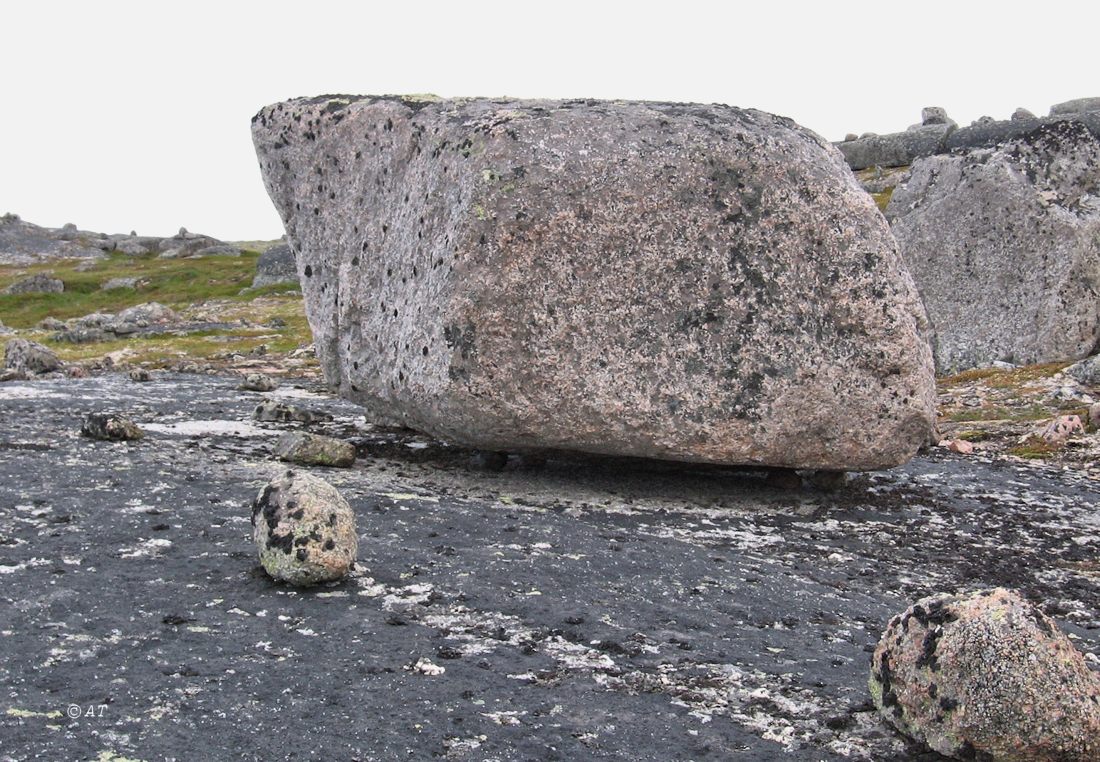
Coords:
588,608
1004,245
987,676
693,283
304,530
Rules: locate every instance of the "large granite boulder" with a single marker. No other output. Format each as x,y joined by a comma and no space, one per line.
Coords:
1004,244
898,149
23,243
695,283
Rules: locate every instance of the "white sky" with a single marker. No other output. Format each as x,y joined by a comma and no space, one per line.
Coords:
135,115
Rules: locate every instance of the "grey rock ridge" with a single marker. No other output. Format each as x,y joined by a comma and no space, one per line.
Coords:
900,149
1004,244
678,281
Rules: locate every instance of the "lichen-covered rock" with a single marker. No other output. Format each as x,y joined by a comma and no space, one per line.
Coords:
29,357
695,283
314,450
1086,372
140,375
304,530
258,382
276,265
987,676
37,284
1004,244
281,412
110,427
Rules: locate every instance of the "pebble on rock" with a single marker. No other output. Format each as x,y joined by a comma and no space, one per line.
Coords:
987,675
314,450
304,530
110,428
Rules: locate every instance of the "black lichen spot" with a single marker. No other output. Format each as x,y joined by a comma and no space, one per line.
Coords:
308,271
329,544
283,542
302,554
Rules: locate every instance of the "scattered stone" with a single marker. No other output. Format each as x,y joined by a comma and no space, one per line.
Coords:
276,265
960,446
1094,415
76,371
37,284
314,450
1076,106
1062,428
304,530
850,136
132,248
4,330
30,358
110,427
570,292
149,313
1022,114
987,673
282,412
120,283
1086,372
898,149
1004,244
258,382
22,243
140,375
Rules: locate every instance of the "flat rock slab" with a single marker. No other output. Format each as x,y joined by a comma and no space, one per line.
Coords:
679,281
591,609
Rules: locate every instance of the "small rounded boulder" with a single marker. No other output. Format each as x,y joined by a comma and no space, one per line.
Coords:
304,530
987,675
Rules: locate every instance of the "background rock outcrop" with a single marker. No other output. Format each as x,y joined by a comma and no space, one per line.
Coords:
1004,244
698,283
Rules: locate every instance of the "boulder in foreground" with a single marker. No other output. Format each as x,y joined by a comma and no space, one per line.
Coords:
987,676
304,530
694,283
1004,244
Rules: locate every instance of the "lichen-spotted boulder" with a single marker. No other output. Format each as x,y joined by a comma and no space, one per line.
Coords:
987,676
687,282
304,530
308,449
1004,244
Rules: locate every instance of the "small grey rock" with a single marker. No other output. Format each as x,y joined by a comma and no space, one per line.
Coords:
258,382
1022,114
218,250
276,265
314,450
282,412
935,115
30,358
304,530
37,284
132,248
110,427
120,283
140,375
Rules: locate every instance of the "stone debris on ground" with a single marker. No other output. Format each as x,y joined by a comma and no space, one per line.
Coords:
304,530
277,411
554,300
987,675
110,427
258,382
307,449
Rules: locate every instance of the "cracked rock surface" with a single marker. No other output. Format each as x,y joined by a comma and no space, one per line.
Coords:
585,608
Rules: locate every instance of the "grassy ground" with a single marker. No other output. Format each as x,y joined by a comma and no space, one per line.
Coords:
214,288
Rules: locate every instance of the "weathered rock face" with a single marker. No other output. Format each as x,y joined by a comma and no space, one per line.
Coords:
987,674
697,283
1004,245
304,530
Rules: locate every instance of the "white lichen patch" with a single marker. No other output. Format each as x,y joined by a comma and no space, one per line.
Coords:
146,549
209,428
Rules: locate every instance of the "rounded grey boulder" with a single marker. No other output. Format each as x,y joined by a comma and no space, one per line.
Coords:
276,265
304,530
110,427
37,284
677,281
987,674
22,356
